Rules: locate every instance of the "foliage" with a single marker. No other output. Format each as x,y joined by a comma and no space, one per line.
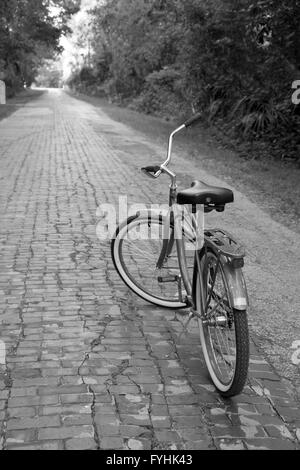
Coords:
29,33
235,60
50,74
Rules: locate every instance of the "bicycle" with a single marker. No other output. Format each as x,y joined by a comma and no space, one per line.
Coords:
213,287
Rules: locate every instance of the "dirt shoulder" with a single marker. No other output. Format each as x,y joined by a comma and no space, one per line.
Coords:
273,185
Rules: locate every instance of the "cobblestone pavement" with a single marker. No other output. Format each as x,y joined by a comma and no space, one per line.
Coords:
89,365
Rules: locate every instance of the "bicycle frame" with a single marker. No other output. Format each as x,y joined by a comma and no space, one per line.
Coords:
174,230
214,291
177,227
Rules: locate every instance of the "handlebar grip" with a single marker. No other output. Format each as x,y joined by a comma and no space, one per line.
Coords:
151,169
193,120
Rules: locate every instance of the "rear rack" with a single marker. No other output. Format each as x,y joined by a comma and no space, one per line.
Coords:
224,243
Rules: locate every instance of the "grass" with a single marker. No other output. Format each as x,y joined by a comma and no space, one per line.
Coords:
273,185
12,104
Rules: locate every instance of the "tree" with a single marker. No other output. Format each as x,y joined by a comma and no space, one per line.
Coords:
50,74
29,33
235,60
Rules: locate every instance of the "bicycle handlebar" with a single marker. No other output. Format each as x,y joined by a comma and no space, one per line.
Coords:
148,170
155,170
193,120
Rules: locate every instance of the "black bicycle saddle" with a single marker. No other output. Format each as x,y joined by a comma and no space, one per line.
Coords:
202,193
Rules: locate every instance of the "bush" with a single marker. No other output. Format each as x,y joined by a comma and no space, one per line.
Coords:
160,94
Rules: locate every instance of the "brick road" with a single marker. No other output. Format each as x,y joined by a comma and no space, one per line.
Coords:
88,365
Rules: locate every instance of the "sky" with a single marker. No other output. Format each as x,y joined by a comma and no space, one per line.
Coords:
70,51
86,4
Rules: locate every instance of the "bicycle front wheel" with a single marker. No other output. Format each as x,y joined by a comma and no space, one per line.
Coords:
135,251
223,329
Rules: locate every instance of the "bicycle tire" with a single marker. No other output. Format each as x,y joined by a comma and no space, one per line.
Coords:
125,271
235,383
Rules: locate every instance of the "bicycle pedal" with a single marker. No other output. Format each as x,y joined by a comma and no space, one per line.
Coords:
167,279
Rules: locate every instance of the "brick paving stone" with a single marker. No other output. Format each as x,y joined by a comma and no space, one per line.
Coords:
4,395
78,432
76,398
279,431
31,401
22,412
199,433
224,419
189,399
23,392
184,410
161,422
35,381
138,419
20,436
138,444
32,423
284,403
81,444
76,420
289,414
241,409
85,369
186,421
104,408
111,442
237,431
38,446
200,445
151,388
160,410
255,420
165,435
108,430
266,409
269,444
244,399
265,374
229,444
65,410
158,400
128,431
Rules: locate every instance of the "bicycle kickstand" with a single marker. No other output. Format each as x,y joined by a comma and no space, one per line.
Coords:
192,314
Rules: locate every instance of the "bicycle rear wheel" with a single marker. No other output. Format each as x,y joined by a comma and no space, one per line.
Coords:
223,329
135,251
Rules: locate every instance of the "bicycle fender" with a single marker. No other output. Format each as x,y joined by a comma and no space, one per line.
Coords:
152,213
122,224
236,285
